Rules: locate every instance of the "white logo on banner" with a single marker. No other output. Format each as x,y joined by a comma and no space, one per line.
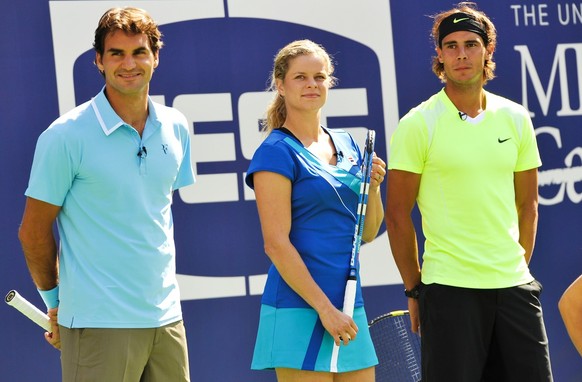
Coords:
566,177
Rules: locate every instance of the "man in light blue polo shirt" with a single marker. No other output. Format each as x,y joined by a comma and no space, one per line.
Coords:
106,172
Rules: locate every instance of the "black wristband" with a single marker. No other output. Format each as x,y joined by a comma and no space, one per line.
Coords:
413,293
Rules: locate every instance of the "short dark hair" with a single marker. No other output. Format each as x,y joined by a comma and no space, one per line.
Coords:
129,20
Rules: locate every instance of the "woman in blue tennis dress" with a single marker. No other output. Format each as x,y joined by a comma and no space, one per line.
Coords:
307,180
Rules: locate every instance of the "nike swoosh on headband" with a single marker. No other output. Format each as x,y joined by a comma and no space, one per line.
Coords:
459,20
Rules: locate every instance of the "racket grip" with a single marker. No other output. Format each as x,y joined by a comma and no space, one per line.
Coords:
350,297
14,299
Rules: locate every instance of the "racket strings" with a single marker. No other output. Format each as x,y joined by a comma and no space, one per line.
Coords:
397,347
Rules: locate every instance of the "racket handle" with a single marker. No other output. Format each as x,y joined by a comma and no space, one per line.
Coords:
14,299
349,302
350,297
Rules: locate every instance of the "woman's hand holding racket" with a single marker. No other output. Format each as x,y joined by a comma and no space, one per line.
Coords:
339,325
378,172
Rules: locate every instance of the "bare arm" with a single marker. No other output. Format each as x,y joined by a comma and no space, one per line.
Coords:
40,251
570,306
38,242
273,194
375,208
401,196
526,201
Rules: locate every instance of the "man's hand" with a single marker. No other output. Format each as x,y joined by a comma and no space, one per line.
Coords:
53,338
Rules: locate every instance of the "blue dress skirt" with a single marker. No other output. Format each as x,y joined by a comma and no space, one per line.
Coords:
295,338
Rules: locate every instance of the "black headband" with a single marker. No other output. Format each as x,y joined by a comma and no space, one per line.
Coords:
461,22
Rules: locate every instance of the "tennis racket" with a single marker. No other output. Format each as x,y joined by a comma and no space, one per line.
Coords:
397,348
14,299
350,291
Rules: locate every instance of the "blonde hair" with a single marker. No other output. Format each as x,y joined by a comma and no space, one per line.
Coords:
276,111
470,8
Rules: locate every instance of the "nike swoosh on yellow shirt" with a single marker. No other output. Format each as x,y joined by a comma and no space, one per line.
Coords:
459,20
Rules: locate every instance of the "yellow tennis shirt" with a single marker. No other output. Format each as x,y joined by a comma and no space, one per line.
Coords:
466,196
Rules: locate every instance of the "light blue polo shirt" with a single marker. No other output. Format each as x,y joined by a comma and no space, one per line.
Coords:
117,253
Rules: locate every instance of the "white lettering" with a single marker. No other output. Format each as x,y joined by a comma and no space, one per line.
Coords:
347,102
576,14
558,66
575,175
251,108
565,177
532,14
210,147
543,14
515,8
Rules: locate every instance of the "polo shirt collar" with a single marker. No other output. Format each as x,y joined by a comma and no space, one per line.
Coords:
108,118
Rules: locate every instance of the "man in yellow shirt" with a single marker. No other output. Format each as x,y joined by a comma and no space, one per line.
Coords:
469,159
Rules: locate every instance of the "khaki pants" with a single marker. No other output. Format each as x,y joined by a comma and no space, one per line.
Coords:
125,355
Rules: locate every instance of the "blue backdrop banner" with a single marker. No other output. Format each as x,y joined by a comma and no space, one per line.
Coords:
214,67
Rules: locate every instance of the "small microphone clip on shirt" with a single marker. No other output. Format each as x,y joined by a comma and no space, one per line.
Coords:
143,152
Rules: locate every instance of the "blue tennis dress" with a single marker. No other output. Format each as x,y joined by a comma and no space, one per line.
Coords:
324,203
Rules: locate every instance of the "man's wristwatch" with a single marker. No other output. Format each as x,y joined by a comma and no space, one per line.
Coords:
413,293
